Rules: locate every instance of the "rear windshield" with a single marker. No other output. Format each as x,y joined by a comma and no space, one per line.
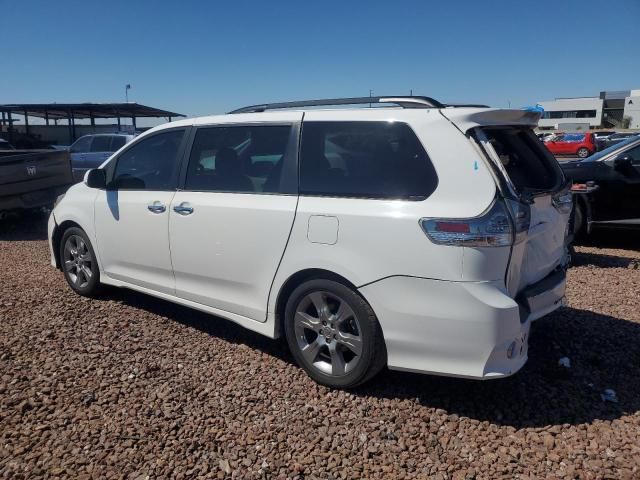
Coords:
529,165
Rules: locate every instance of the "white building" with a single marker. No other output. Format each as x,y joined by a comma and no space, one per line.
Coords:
583,110
608,110
632,108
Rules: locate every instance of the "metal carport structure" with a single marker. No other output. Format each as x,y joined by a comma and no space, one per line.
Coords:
75,111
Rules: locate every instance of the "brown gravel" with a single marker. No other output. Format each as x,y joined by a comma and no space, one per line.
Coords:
131,386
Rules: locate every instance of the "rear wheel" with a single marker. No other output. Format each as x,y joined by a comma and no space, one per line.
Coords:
79,262
579,221
583,152
333,334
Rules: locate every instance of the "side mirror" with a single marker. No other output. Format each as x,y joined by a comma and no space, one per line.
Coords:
622,163
96,178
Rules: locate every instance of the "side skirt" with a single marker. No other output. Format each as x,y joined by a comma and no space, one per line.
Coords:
264,328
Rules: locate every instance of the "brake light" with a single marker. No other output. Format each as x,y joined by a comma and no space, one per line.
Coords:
495,228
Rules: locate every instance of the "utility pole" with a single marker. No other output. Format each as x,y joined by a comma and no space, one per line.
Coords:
370,95
126,91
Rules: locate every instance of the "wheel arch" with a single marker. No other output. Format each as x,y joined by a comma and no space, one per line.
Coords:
296,279
56,238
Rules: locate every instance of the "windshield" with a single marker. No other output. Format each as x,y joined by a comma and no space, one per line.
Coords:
604,153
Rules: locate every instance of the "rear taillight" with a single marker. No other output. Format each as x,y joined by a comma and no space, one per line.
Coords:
495,228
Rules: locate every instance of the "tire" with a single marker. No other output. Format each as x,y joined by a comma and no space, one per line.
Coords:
78,262
583,152
334,334
579,222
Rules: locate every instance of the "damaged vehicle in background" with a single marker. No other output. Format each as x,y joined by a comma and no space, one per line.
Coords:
607,187
343,230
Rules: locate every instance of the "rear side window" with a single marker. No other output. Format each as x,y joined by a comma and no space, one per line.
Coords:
101,143
242,159
529,165
117,142
364,159
150,164
81,145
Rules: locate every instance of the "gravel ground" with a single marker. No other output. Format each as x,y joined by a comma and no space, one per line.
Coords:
129,386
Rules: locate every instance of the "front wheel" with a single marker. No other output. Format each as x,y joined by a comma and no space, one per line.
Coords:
333,334
583,152
79,262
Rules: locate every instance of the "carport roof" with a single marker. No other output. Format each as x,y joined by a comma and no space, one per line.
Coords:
86,110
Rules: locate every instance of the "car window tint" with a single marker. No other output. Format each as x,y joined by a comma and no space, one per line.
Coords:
238,159
634,153
101,143
150,164
117,142
364,159
81,145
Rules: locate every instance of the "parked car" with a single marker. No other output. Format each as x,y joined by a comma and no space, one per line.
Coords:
580,144
607,187
606,142
32,178
344,230
90,151
600,137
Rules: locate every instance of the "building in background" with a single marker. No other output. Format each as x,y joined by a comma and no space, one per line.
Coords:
632,109
610,109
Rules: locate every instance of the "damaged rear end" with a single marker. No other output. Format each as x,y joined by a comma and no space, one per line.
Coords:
536,202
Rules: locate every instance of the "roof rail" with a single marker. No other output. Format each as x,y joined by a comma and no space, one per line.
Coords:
404,102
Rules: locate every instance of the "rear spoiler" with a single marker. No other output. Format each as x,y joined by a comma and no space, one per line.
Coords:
468,118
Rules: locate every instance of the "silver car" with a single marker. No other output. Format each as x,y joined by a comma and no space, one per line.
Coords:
90,151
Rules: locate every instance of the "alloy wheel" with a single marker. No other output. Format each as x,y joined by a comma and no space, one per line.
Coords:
78,262
328,333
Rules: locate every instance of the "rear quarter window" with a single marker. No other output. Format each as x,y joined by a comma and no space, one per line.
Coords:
364,159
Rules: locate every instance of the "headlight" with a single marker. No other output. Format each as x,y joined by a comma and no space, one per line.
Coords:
58,200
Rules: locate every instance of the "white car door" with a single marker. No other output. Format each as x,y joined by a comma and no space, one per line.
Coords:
132,214
230,224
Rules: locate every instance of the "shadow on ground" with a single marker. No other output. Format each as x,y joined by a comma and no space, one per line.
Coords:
24,225
601,260
604,353
613,238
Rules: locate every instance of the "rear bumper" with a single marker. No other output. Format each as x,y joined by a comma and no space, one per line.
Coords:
33,199
543,297
461,329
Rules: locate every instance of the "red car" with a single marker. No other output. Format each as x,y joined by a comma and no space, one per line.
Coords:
580,144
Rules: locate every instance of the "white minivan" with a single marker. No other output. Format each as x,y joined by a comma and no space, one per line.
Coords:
417,235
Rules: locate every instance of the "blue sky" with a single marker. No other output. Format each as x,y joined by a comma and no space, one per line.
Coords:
201,57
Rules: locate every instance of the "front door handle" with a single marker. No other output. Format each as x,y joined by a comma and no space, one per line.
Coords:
183,209
156,207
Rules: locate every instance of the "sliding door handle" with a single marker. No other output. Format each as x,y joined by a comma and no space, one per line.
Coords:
183,209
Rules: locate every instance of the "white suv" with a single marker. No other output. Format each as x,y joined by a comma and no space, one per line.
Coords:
416,235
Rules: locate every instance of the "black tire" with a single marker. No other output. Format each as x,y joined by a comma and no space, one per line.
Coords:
583,152
579,222
338,334
84,260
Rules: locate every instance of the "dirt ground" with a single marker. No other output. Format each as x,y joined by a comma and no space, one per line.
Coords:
129,386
